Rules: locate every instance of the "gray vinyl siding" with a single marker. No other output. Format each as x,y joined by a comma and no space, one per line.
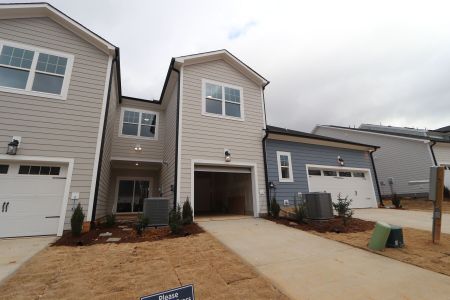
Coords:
58,128
206,137
402,159
123,147
442,153
303,154
168,169
104,187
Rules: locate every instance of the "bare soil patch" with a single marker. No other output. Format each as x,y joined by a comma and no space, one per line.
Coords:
333,225
125,231
131,270
421,204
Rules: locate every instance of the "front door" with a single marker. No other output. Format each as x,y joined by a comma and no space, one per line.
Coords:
131,195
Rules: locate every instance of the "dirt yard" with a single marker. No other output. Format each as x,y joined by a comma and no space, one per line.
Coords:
420,204
131,270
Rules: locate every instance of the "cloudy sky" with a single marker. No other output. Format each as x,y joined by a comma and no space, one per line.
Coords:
329,62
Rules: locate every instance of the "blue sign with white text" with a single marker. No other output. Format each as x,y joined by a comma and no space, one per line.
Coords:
185,292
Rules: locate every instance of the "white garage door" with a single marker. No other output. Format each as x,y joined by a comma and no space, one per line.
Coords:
446,175
356,184
30,198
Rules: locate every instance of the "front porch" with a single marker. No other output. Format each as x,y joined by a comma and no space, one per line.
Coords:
130,183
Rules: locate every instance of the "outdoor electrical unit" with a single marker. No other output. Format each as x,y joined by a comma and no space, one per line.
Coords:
436,195
156,210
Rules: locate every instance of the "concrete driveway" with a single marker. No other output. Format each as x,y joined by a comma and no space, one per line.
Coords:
305,266
16,251
406,218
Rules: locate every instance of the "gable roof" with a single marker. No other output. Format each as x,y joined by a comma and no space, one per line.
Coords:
309,136
43,9
444,129
394,134
226,56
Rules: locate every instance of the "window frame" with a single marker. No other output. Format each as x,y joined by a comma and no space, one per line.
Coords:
32,71
223,115
138,136
280,174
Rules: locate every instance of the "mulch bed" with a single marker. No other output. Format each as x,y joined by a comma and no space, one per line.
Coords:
332,225
126,236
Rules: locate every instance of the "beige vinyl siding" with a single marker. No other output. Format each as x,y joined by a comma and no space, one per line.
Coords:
206,137
123,147
442,153
52,127
104,187
402,159
168,169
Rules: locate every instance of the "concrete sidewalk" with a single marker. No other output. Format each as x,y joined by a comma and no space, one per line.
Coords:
305,266
406,218
16,251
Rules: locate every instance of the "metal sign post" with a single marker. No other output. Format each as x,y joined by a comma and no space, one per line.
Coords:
437,196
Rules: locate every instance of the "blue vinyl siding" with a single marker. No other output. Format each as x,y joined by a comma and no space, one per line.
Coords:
303,154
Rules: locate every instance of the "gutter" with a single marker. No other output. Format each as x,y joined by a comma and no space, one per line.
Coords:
175,185
266,175
432,152
102,145
376,176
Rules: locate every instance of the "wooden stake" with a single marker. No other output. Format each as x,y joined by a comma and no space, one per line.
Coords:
437,204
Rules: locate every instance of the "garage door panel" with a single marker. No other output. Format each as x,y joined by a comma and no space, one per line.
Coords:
359,189
34,203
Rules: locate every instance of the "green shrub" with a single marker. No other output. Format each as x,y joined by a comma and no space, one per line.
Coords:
299,210
141,224
343,208
446,192
396,201
275,208
110,220
187,212
76,222
175,220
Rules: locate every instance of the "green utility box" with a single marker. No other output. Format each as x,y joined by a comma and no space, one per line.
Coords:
379,236
395,239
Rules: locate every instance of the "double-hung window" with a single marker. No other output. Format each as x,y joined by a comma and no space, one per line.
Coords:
34,71
139,124
284,167
222,100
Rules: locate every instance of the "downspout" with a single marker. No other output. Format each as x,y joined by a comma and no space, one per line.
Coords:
266,175
376,176
432,152
175,186
100,160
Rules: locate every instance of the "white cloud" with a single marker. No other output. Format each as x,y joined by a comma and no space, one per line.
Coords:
329,62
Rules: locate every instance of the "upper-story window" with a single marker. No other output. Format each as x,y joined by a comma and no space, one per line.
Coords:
139,123
284,167
34,71
222,100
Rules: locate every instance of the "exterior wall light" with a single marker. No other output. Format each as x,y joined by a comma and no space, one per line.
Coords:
227,155
340,161
137,147
12,147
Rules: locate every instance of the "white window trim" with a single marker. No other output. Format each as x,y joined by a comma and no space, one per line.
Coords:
223,85
140,111
280,177
32,70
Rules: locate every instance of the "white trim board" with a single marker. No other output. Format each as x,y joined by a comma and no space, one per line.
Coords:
69,161
215,163
180,131
99,141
